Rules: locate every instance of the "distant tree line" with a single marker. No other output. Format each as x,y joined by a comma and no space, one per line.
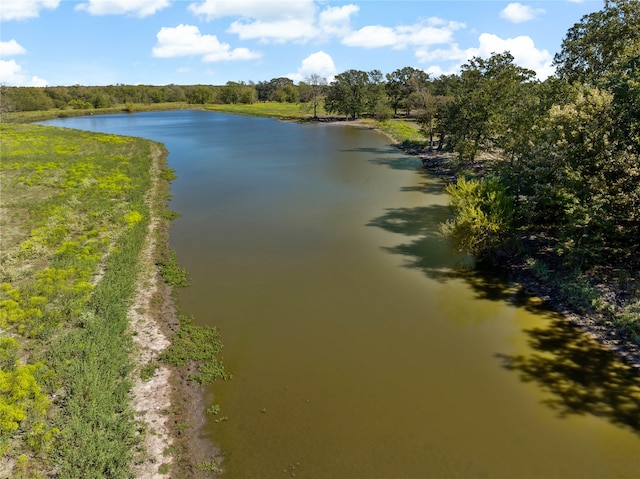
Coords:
88,97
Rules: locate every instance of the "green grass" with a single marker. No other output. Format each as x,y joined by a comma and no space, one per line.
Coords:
75,214
269,109
403,131
42,115
198,345
72,202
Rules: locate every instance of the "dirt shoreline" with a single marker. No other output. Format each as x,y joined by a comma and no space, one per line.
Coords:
152,397
171,408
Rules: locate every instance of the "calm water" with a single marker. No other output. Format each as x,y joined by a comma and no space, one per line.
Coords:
359,349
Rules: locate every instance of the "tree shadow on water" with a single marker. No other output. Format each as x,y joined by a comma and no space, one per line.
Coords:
430,184
391,157
427,251
398,162
582,377
395,160
430,187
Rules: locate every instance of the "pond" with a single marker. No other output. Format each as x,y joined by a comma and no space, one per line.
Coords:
360,347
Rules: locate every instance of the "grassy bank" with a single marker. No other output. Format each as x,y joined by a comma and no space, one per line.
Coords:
76,209
74,218
265,109
75,215
269,109
42,115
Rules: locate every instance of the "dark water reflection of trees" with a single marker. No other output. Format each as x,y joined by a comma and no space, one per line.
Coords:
426,251
582,377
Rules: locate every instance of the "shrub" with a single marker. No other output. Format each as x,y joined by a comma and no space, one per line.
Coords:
482,222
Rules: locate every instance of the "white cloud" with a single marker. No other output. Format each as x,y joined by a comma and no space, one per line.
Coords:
22,9
518,13
433,31
36,81
435,71
11,48
319,63
452,54
336,21
186,40
274,30
278,21
372,36
258,9
139,8
11,74
523,49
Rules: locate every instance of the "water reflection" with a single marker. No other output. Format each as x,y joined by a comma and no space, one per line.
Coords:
426,184
427,251
391,159
582,377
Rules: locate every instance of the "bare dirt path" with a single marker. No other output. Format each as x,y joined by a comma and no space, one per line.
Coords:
151,398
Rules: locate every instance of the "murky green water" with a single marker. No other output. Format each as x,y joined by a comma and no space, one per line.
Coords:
358,349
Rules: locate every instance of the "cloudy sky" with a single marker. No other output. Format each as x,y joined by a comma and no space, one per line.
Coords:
159,42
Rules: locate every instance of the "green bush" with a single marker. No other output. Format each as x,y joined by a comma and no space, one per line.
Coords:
482,222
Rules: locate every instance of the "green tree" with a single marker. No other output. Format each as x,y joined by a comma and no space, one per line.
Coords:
26,99
407,88
582,183
200,95
624,84
279,89
317,88
477,117
238,92
376,97
59,95
443,88
100,100
600,42
482,222
175,93
289,94
427,115
354,93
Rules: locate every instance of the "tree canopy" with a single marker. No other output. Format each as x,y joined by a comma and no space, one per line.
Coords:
601,43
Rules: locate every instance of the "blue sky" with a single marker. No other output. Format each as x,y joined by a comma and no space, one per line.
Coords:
159,42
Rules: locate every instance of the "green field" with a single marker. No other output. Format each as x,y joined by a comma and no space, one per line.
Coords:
74,218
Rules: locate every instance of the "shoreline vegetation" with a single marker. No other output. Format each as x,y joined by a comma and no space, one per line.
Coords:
157,382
